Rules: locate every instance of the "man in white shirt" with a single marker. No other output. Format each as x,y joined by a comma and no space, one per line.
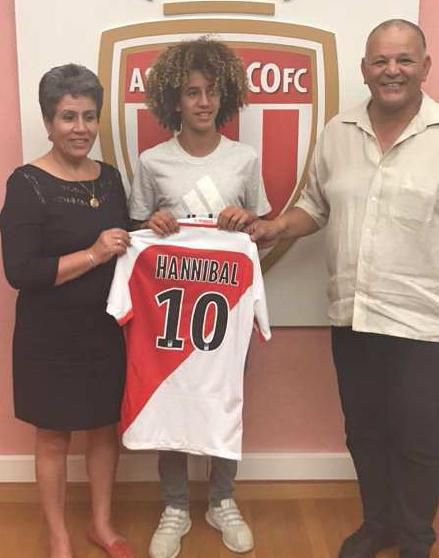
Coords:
374,184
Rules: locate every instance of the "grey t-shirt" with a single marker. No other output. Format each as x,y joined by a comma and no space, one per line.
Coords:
167,176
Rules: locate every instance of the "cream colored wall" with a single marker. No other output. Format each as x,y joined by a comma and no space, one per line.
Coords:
291,396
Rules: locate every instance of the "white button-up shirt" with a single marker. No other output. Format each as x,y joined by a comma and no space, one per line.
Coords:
382,217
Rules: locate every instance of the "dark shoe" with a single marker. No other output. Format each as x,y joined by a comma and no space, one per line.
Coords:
365,543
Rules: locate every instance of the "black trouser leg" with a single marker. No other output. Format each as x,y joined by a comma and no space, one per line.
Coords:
222,476
174,479
362,388
392,426
414,425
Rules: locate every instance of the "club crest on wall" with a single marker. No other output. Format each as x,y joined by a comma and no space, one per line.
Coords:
293,82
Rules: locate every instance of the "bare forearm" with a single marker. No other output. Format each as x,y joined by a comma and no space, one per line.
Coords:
110,243
294,223
74,265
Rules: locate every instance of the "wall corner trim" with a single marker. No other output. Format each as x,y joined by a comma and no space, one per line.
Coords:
142,466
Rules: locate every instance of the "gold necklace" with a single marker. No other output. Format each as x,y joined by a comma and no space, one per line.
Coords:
93,202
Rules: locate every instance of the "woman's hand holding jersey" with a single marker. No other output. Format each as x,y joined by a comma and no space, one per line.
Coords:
112,242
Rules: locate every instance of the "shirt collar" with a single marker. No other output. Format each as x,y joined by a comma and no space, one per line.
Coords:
428,115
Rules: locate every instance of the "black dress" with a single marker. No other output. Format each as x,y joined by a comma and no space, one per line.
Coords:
68,353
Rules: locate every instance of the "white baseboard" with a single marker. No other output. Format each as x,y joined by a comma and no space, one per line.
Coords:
254,466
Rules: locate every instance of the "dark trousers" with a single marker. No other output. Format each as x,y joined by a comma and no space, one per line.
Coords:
389,390
174,479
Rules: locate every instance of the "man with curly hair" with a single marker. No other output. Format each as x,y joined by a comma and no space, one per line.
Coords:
193,88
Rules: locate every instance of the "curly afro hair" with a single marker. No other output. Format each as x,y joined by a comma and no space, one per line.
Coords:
171,70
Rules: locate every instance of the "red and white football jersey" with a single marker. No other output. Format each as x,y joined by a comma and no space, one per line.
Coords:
188,303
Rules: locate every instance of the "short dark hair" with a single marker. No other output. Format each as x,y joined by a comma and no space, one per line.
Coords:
399,23
69,79
171,70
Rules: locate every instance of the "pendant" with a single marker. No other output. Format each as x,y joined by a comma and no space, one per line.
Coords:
94,202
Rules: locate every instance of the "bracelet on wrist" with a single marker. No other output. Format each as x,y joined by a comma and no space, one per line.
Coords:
91,258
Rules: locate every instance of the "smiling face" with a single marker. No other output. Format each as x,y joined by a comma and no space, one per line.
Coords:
199,104
394,68
74,127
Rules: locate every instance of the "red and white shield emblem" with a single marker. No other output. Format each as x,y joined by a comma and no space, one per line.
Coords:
293,83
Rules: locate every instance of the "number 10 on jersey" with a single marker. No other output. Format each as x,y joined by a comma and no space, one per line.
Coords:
205,336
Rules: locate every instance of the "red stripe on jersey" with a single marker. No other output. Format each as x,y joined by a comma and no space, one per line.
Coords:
122,321
206,223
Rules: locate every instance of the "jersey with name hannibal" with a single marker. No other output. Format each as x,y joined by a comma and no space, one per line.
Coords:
188,303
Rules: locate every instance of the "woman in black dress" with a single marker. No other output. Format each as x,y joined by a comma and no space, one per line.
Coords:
63,225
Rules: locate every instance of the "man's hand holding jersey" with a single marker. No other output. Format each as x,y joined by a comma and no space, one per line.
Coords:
265,233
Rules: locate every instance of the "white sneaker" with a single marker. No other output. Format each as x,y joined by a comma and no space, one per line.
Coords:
173,525
227,518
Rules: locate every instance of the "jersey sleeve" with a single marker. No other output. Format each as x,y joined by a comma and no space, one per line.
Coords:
260,302
119,303
142,201
22,225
